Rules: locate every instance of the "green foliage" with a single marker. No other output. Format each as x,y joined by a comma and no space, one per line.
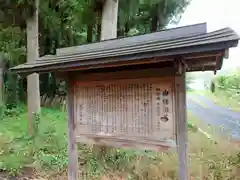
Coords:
212,87
145,16
47,150
230,81
36,123
13,52
227,89
192,127
114,161
12,45
2,110
11,112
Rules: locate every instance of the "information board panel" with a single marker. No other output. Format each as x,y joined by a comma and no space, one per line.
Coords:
135,113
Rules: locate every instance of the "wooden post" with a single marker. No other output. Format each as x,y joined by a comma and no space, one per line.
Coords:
181,123
72,144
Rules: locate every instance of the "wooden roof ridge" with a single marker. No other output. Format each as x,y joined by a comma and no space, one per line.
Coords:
148,45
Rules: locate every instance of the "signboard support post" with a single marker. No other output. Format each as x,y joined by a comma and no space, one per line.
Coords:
72,144
181,123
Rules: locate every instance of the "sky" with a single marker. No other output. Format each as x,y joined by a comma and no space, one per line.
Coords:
217,14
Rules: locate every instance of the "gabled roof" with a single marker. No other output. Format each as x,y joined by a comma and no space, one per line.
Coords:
168,43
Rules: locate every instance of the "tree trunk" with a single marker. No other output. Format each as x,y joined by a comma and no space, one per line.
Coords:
61,33
98,31
1,81
99,14
109,19
33,79
154,22
89,33
70,35
126,29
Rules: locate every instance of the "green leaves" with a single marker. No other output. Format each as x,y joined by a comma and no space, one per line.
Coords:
140,14
11,47
230,81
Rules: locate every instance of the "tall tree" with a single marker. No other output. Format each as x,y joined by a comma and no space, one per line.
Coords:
32,54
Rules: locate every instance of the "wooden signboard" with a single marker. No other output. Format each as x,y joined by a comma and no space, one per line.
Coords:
129,113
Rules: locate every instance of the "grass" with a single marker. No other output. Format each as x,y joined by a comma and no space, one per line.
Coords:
222,98
46,154
46,151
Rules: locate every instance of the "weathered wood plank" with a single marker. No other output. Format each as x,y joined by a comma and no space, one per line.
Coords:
112,63
152,80
126,74
72,144
181,124
128,143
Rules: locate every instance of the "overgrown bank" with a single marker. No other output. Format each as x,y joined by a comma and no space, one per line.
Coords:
225,90
47,153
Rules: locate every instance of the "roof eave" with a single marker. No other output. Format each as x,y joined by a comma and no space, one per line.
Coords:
221,46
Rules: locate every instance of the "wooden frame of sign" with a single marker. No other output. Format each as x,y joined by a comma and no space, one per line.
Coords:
141,109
